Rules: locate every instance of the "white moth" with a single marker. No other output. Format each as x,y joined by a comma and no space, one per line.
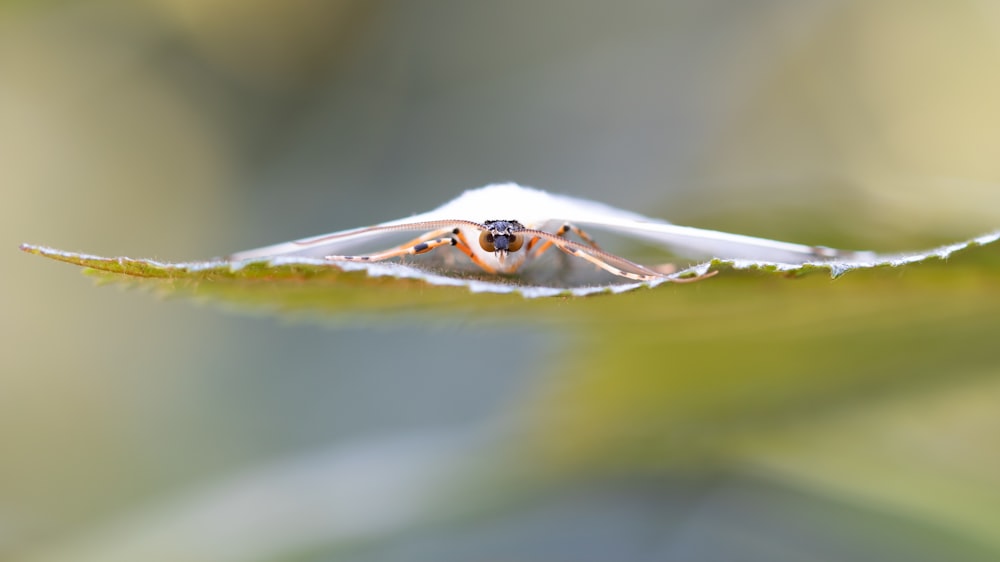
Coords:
502,227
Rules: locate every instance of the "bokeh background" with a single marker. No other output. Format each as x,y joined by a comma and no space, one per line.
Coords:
741,420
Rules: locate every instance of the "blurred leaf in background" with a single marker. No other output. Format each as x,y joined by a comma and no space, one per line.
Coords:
743,418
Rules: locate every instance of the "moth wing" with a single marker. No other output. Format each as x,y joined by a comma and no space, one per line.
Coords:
498,201
701,243
545,211
507,201
685,241
346,242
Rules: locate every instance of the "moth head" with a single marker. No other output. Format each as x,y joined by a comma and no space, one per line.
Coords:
501,237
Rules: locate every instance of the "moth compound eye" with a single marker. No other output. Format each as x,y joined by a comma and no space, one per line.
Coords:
486,241
514,244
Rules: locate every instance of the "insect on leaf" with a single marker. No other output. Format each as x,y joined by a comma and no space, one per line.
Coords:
506,238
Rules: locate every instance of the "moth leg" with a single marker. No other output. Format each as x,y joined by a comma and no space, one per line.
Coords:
601,263
462,244
406,246
403,249
566,227
439,233
422,245
419,248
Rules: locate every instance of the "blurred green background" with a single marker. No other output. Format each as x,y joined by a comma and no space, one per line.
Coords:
746,418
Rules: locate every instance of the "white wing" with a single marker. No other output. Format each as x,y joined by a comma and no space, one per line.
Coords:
344,242
539,209
700,243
